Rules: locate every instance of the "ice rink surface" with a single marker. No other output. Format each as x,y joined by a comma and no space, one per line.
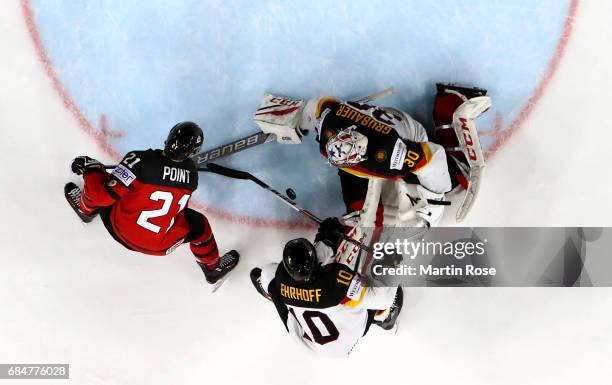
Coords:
70,294
132,69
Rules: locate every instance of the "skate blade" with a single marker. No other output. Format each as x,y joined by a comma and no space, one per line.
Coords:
215,286
396,325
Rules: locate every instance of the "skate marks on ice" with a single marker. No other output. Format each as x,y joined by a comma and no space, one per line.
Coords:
211,63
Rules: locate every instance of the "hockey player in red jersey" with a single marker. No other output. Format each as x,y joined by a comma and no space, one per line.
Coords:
143,203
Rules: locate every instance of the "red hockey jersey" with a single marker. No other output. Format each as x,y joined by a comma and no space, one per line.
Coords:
147,194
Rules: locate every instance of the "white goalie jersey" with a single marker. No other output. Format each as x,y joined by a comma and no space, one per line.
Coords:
397,146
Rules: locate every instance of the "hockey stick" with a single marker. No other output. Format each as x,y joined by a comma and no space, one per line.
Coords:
261,138
237,174
257,138
378,95
237,145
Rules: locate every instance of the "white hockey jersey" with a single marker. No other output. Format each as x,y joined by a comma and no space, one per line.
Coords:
397,144
330,313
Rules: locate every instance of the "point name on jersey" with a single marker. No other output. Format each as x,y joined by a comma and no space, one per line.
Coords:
174,174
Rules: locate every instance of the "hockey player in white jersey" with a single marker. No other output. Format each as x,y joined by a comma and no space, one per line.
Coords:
372,143
373,146
322,302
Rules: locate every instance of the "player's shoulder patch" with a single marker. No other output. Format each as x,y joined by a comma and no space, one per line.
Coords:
355,293
124,175
398,155
354,289
133,163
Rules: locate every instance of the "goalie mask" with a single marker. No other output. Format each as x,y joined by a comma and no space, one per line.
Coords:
347,148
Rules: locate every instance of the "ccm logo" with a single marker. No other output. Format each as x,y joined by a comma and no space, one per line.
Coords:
285,102
468,139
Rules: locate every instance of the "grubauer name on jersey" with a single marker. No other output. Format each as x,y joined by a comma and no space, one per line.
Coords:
388,155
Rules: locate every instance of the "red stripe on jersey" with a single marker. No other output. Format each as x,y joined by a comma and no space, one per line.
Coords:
278,113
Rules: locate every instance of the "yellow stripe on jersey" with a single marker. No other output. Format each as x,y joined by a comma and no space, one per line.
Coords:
361,174
320,105
426,158
354,302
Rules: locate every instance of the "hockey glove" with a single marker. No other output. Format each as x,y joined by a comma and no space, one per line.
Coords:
82,164
330,232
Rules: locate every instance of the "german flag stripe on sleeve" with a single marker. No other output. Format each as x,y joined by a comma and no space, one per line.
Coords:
365,173
424,159
354,302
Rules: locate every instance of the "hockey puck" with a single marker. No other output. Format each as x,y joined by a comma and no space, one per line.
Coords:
291,194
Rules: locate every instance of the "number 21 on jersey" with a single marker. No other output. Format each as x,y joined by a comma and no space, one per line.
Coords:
167,198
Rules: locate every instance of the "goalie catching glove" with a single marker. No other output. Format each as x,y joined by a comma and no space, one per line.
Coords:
280,116
287,119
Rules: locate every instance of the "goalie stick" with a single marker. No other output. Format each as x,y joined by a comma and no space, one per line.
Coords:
378,95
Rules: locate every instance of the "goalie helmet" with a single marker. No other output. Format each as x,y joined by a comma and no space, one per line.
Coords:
346,148
184,140
300,259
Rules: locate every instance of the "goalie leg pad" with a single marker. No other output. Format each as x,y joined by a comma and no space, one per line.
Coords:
449,98
454,112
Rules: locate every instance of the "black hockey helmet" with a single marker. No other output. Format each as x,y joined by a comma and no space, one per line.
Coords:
184,140
300,259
